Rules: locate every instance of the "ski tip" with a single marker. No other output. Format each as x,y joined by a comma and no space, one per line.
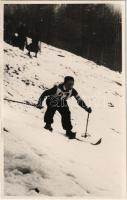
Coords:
98,142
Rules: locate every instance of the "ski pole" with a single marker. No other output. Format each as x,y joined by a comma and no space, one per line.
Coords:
85,135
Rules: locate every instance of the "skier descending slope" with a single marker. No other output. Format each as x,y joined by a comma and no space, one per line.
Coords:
57,101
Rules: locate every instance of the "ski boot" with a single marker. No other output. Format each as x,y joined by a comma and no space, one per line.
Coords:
70,134
48,127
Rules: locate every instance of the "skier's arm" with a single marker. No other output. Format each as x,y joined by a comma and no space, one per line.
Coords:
46,93
80,102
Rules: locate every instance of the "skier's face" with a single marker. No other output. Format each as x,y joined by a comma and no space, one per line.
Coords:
69,84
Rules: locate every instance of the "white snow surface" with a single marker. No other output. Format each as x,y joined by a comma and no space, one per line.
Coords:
39,163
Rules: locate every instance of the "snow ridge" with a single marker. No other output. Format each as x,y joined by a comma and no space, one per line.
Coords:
48,164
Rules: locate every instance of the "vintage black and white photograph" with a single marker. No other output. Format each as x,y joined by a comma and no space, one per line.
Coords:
63,99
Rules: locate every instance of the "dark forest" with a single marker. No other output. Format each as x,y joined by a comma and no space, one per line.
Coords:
93,31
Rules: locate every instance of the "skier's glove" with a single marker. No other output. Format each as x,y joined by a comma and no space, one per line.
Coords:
39,106
89,110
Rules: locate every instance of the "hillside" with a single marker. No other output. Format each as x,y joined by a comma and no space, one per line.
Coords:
41,163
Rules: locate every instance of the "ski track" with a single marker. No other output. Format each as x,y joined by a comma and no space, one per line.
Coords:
48,164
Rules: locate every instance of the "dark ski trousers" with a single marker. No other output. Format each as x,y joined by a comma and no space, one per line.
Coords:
64,112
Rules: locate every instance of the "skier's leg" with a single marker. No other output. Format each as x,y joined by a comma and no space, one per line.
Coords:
66,121
36,54
49,114
65,117
29,53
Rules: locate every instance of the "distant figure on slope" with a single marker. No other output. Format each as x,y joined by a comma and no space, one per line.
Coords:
57,101
34,46
20,38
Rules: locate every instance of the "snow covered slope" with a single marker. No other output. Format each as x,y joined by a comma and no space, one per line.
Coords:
41,163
